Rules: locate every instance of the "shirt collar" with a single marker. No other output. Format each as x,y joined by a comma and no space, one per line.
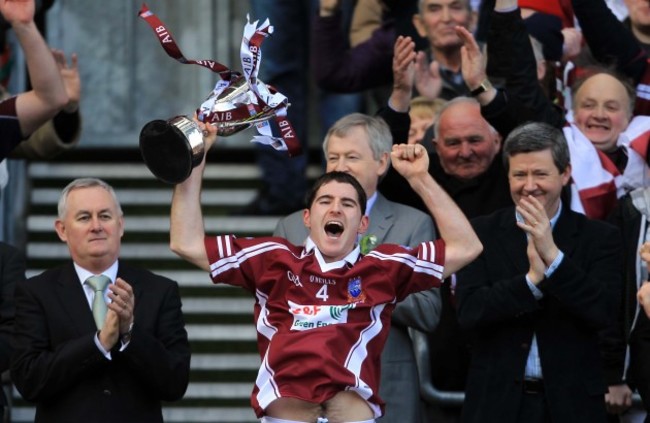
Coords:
350,259
84,274
370,202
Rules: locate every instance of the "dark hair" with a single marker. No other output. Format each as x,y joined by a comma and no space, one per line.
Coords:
341,177
537,136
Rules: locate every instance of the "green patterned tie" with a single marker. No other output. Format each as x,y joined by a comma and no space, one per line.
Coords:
99,283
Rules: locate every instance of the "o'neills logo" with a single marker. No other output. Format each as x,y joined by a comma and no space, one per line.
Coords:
322,281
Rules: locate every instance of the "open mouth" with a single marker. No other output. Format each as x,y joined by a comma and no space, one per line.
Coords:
333,229
598,127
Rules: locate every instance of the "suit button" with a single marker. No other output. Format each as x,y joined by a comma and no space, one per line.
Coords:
107,392
525,346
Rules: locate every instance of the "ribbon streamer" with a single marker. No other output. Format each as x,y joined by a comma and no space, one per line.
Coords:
238,100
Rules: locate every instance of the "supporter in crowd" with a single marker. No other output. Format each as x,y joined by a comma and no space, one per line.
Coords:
285,67
328,276
611,43
48,95
62,132
537,297
630,336
360,145
96,339
438,72
12,272
423,113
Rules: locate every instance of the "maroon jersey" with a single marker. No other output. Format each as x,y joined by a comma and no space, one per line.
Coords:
321,326
9,127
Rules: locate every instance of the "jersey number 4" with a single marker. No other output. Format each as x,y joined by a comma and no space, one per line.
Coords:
322,293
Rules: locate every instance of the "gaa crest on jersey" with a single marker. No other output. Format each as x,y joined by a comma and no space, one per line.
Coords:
355,291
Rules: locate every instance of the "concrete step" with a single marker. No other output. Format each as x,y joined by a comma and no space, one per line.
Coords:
22,414
119,171
160,224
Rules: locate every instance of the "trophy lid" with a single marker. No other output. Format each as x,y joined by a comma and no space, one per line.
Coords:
171,148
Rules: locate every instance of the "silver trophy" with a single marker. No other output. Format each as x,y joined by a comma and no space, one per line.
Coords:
172,148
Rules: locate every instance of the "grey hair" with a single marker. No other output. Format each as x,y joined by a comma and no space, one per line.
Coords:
85,183
537,136
380,138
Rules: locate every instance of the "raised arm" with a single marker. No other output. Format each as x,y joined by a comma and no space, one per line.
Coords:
461,243
48,94
187,231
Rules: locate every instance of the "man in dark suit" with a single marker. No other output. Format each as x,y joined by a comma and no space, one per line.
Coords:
546,283
12,271
78,366
360,145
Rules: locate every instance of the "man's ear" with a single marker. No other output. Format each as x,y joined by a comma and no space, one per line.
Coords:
384,162
305,218
419,25
363,224
59,226
566,175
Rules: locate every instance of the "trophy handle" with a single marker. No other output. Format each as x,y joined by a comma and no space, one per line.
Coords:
172,148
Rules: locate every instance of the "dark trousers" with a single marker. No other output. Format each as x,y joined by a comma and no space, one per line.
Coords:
639,371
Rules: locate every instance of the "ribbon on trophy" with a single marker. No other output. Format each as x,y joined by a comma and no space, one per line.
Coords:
238,101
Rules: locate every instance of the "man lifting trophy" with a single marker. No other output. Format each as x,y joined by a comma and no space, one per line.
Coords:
172,148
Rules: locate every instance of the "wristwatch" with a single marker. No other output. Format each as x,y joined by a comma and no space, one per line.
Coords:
485,85
126,337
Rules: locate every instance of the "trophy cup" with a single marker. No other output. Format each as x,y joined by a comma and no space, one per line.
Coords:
172,148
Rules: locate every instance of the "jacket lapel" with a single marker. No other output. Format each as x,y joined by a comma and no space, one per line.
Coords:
381,217
72,298
512,240
124,272
565,232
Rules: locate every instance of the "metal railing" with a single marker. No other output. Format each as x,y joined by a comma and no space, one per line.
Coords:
432,395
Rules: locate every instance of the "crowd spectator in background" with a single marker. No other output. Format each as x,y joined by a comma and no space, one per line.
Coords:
360,145
12,272
47,96
286,67
438,71
57,135
423,113
613,44
87,352
537,297
62,132
630,337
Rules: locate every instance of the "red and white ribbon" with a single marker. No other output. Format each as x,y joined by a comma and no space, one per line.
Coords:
256,104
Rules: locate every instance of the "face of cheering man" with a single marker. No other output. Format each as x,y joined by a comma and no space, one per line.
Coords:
351,153
437,19
536,174
92,226
334,219
602,110
466,144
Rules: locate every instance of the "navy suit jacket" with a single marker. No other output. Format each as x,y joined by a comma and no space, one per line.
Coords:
497,305
57,365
